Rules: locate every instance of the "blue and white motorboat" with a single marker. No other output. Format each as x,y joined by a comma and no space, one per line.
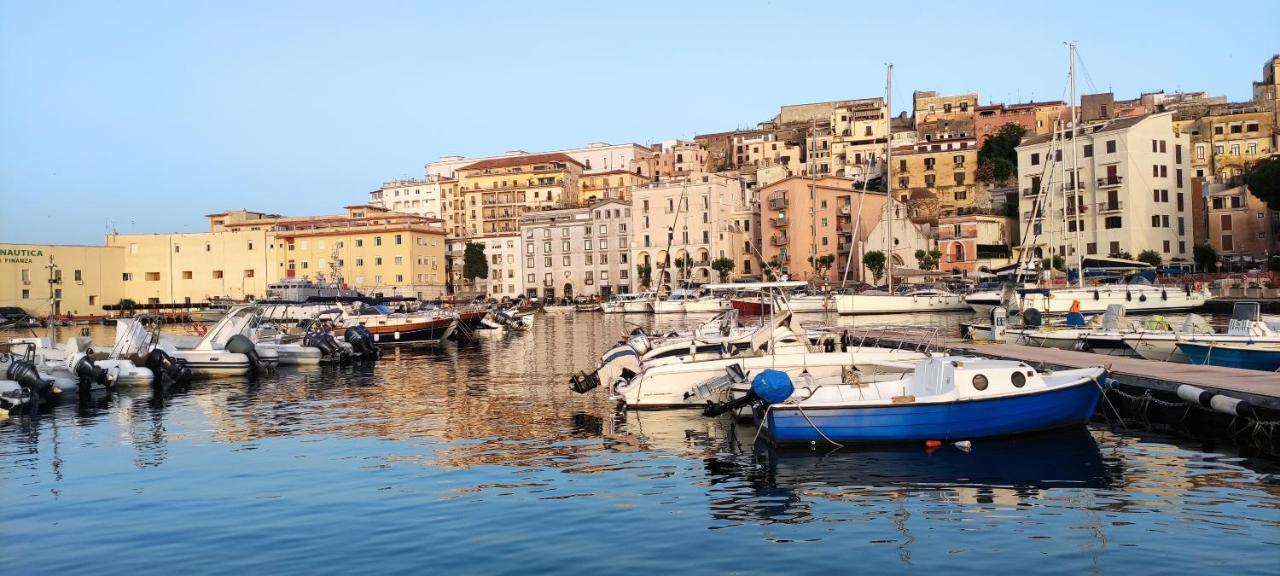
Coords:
1247,355
947,399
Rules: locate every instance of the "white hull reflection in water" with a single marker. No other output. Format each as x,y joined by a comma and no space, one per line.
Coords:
362,468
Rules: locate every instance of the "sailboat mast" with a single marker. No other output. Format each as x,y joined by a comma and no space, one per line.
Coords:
888,174
1075,168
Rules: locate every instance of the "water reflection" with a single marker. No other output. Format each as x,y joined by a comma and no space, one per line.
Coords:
481,423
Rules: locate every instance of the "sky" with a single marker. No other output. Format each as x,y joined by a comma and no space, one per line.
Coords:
142,117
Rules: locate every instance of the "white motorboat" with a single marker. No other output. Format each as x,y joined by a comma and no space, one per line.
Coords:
812,303
1137,298
926,300
641,303
223,350
1247,326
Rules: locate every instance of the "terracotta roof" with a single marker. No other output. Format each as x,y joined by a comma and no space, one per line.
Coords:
521,160
1110,126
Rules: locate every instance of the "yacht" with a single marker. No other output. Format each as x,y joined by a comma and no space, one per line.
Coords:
924,300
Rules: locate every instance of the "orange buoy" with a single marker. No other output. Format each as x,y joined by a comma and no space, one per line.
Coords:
1075,306
932,443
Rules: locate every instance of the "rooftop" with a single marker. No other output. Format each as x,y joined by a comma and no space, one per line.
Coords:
522,160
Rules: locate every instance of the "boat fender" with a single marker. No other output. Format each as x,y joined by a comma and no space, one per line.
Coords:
1231,406
1195,395
26,375
845,341
1142,298
1128,296
1096,295
1164,294
965,446
241,344
828,345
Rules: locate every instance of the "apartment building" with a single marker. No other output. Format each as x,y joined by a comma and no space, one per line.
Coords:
675,158
494,193
577,251
594,157
1240,226
424,197
929,107
972,243
373,249
85,279
506,270
701,213
859,135
1229,139
1132,191
937,175
613,184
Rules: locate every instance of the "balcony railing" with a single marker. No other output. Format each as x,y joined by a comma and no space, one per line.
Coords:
1030,192
1073,210
778,222
1110,181
1105,207
778,240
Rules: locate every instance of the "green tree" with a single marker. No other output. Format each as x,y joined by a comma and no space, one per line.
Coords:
1056,263
684,266
1206,257
474,264
1151,257
1264,182
928,260
772,269
874,261
723,266
998,157
645,272
821,265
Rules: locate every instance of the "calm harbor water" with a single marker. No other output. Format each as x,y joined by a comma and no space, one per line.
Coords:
477,458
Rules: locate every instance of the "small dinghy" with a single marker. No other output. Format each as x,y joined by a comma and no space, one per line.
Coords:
945,399
1250,356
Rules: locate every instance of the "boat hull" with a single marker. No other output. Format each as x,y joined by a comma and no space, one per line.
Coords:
850,304
668,307
1246,357
430,331
706,306
948,421
641,307
752,307
1135,299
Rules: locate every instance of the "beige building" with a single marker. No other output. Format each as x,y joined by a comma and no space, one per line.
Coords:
1240,225
612,185
937,175
702,213
86,278
579,251
594,157
495,193
423,197
929,107
1133,191
1230,139
859,134
974,242
191,268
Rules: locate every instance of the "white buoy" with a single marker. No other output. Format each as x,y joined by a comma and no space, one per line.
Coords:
964,446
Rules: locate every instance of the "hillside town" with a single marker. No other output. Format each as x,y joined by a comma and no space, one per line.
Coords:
831,193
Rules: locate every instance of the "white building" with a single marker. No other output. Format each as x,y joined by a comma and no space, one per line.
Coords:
702,212
502,253
412,196
1134,190
581,251
595,157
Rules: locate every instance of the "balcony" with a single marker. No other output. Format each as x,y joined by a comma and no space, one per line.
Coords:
1030,192
1109,207
843,211
1078,209
778,222
778,202
1110,182
778,240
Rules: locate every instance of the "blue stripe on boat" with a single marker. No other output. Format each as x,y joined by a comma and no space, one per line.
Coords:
1057,408
619,354
1247,358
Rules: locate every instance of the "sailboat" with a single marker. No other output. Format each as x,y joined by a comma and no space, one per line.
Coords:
927,300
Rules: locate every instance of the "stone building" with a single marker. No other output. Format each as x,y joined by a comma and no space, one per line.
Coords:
577,251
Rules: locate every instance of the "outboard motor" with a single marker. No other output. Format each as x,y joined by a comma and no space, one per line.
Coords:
371,343
768,387
327,345
26,375
88,372
162,364
358,337
241,344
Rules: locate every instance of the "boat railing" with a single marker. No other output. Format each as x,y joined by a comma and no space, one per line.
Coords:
922,339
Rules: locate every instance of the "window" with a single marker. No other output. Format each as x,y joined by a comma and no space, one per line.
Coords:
359,261
1155,221
79,278
604,244
1226,222
546,247
1166,246
177,249
377,261
359,242
528,262
546,262
588,260
153,276
248,273
1199,151
1088,150
1227,244
217,274
565,261
26,294
1091,248
564,246
1113,222
530,278
1115,248
186,274
1035,160
1111,146
127,276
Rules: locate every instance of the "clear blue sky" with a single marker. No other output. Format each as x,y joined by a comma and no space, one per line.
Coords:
147,116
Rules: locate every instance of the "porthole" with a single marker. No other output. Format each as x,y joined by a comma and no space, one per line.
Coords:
1019,380
979,382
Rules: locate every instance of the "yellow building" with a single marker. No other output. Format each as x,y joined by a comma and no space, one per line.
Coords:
186,268
88,277
495,192
860,132
936,178
1230,139
611,185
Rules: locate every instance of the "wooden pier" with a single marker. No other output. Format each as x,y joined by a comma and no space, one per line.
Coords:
1262,389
